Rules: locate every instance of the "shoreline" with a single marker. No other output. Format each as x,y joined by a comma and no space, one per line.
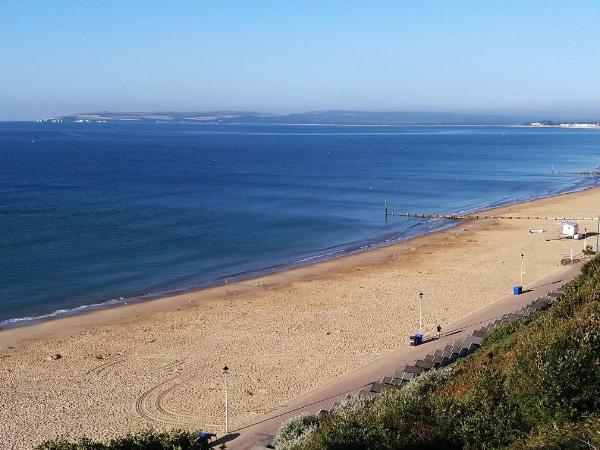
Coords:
116,313
158,363
232,280
164,303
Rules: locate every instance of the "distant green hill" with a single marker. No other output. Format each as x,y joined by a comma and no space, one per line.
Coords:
315,117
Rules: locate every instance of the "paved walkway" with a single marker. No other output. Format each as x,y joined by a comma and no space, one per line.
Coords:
258,433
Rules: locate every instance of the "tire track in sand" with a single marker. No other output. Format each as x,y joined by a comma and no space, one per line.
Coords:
104,367
151,405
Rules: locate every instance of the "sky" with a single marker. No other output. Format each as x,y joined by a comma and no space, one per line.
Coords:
61,57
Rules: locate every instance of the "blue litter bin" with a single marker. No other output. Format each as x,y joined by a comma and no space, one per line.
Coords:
517,290
418,339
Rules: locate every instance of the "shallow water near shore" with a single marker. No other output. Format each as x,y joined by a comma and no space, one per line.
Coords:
96,213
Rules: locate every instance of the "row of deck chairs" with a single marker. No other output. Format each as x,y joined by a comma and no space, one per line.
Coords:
450,353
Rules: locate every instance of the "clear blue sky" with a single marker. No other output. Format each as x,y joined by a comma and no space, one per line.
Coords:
60,57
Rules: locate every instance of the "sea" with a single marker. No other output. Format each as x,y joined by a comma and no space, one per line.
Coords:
97,214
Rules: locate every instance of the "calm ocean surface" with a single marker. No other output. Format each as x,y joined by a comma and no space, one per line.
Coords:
95,213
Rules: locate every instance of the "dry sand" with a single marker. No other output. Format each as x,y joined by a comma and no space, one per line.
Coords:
158,364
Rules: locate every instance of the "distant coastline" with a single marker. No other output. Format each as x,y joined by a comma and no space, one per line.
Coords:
323,118
334,118
552,124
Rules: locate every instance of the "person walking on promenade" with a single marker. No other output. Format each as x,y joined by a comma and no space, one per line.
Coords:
439,330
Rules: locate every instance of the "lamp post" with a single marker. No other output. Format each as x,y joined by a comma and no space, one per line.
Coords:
421,313
225,372
584,237
522,258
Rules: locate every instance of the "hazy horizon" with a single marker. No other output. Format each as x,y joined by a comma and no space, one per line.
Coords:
539,58
325,117
517,117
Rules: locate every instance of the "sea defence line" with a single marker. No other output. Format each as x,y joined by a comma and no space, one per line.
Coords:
482,217
469,217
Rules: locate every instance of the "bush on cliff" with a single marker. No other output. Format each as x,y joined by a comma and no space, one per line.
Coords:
144,440
534,384
295,430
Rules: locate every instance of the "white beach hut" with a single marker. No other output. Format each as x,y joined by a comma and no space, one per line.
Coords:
570,228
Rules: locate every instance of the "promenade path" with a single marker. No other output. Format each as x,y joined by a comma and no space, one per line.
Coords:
258,433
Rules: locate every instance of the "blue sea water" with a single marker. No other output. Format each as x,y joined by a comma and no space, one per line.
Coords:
96,213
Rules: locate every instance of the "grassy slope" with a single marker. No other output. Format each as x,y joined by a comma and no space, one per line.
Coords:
534,384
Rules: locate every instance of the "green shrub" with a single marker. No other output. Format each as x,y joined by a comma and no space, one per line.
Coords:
409,415
503,337
489,418
589,250
357,431
144,440
556,375
354,405
568,436
393,420
294,431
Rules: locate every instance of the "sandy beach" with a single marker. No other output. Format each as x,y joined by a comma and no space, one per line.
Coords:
158,364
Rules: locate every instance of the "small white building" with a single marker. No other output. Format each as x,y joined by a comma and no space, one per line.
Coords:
570,228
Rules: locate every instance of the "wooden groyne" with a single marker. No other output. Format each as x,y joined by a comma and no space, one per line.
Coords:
484,217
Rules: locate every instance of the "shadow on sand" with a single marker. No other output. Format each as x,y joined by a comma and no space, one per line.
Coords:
224,440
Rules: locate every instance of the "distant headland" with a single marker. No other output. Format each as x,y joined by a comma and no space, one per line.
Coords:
335,117
550,123
365,118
